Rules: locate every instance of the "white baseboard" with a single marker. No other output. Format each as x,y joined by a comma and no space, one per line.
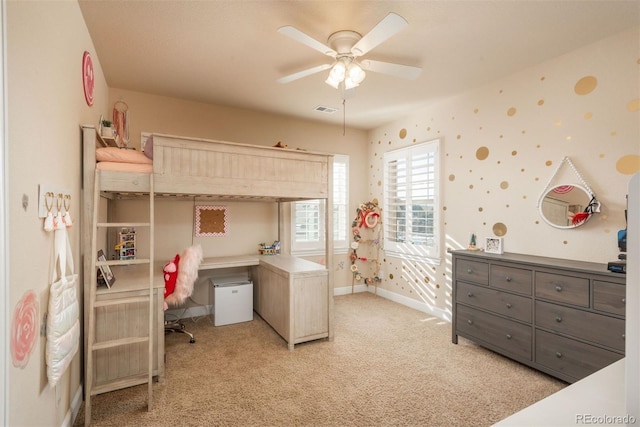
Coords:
206,310
400,299
70,418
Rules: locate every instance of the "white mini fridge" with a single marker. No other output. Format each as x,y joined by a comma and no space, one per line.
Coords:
231,301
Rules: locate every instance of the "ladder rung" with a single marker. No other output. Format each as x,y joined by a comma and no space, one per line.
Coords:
117,301
118,343
123,224
120,383
124,261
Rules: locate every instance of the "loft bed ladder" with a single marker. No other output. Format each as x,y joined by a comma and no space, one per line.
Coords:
118,303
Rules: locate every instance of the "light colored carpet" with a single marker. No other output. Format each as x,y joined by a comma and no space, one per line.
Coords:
388,365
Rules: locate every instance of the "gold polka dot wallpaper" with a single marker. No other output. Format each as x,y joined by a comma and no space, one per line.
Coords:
503,144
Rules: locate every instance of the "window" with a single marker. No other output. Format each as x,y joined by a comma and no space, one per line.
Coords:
411,201
307,217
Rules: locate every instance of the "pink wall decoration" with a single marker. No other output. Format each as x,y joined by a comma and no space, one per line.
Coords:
24,329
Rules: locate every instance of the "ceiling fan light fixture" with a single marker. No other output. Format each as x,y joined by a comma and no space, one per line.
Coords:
350,84
356,73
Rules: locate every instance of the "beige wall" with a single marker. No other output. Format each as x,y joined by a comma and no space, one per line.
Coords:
250,223
45,44
528,123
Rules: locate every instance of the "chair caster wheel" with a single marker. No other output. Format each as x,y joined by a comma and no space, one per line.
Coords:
192,340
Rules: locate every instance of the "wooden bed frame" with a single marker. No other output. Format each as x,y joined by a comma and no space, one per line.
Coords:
193,167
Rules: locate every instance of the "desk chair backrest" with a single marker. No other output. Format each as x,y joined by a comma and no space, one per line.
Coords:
180,274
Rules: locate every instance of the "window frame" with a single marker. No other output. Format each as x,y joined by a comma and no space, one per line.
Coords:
406,249
341,225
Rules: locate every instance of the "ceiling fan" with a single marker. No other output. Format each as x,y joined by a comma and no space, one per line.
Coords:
345,47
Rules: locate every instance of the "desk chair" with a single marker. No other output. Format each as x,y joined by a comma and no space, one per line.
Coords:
179,276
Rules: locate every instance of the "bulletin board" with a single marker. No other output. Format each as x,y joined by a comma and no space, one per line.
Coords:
210,221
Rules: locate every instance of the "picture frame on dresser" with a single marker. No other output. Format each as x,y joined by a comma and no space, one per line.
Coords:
494,245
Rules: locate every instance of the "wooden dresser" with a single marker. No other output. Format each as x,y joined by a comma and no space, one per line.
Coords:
562,317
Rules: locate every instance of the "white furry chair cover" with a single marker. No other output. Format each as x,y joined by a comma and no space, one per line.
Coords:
190,260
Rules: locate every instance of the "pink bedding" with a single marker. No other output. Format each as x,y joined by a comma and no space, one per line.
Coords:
122,160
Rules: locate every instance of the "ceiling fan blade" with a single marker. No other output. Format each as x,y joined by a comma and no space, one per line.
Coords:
301,37
398,70
303,73
390,25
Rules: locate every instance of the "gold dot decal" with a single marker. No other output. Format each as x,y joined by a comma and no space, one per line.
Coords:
587,116
403,133
634,105
452,177
511,112
548,163
482,153
504,185
541,102
628,164
586,85
514,153
499,229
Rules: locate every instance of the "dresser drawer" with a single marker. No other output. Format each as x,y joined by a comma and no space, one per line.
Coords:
512,337
609,297
472,271
567,289
597,328
512,279
570,357
515,306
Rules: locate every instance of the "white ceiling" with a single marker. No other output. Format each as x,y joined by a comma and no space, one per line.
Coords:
230,53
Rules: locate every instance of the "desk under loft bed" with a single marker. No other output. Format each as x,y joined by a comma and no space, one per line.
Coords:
192,167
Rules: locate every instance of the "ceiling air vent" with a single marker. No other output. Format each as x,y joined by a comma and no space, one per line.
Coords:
326,110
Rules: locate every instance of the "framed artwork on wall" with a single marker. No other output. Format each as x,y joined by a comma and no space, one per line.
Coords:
494,245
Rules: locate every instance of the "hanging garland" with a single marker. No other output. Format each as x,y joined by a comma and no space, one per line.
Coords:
367,216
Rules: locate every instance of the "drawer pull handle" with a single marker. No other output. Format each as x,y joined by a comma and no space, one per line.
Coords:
623,336
509,305
558,354
509,336
558,288
558,319
624,300
470,294
470,322
508,279
469,271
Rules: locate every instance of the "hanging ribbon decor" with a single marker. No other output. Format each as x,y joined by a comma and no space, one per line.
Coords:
367,217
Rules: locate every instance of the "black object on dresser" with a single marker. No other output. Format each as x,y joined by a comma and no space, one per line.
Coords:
562,317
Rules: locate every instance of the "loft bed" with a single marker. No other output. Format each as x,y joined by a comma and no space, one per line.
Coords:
199,168
195,167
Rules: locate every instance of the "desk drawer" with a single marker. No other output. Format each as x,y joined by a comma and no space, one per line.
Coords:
597,328
515,306
512,279
609,297
571,357
512,337
567,289
472,271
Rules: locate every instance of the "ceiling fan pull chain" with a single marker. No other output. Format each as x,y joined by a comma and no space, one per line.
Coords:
344,117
